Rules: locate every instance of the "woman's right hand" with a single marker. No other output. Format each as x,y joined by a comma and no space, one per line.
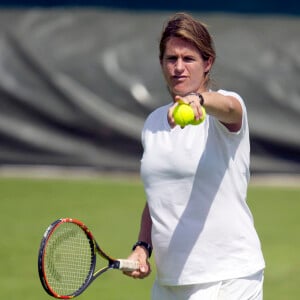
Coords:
139,254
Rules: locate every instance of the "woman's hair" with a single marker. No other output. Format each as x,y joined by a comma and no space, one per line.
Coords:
184,26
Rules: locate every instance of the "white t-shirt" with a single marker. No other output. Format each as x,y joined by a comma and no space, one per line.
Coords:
196,182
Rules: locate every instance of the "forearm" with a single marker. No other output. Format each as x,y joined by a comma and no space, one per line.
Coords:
140,253
146,225
226,109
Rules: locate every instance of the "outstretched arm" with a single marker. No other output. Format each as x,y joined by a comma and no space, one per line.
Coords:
226,109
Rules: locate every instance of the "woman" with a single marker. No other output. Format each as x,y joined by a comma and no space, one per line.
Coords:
196,217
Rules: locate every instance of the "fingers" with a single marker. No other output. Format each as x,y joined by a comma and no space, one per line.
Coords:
140,255
197,109
193,101
170,115
143,272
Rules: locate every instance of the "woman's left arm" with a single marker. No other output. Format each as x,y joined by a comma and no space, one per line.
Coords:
227,109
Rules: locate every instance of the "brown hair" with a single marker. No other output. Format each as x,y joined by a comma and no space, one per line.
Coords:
184,26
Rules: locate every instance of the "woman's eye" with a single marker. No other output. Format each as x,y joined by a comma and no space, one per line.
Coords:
189,59
171,58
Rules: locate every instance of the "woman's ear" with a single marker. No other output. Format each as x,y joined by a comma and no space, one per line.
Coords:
208,64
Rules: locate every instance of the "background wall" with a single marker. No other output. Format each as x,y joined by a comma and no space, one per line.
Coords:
78,78
248,6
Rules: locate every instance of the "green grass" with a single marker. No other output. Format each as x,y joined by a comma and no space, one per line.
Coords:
112,208
276,213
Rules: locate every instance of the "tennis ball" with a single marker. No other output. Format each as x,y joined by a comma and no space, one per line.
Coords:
183,114
197,122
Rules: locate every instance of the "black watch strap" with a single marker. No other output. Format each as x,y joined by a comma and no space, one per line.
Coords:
147,246
201,99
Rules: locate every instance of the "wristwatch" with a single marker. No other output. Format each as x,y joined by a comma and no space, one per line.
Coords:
147,246
201,99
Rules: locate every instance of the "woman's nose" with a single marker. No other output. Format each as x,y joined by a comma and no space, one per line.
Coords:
179,66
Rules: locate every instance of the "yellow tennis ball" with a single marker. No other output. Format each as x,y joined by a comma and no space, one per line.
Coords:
197,122
183,114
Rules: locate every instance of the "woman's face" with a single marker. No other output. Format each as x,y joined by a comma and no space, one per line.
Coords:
183,67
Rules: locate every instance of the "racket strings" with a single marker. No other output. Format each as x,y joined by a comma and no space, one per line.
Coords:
68,259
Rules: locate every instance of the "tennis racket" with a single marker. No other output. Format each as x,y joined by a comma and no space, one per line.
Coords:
67,259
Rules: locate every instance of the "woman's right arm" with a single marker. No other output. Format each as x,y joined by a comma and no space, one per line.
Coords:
140,253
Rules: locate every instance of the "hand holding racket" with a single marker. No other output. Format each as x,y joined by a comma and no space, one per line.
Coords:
67,259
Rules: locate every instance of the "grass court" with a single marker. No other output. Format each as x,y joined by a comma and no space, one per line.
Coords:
111,208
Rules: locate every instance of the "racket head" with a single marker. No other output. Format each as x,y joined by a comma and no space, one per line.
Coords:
67,258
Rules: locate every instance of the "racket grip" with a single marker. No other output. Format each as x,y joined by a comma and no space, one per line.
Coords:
128,265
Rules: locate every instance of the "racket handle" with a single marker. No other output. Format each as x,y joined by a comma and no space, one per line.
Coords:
128,265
